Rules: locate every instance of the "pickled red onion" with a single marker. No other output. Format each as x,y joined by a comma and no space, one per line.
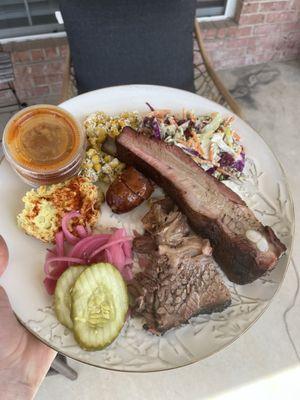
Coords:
59,241
115,248
72,239
55,270
109,244
50,284
82,232
87,245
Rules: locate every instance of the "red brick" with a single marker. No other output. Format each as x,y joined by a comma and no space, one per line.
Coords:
21,56
235,53
37,55
251,19
294,5
239,43
267,29
290,27
213,45
261,58
38,69
56,88
235,43
274,6
250,8
231,62
232,31
25,83
210,33
276,17
51,53
40,91
54,67
222,33
266,56
244,31
195,44
255,1
64,50
23,94
21,70
39,80
54,78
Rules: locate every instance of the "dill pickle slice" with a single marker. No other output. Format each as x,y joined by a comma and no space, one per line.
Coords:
62,297
99,306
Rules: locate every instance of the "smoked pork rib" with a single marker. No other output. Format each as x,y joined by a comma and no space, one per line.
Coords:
244,248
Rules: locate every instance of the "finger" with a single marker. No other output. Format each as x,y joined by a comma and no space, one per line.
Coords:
3,255
4,301
5,307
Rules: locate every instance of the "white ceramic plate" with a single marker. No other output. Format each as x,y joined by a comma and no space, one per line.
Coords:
265,192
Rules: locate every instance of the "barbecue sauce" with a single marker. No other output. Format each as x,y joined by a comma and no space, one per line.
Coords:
44,144
43,139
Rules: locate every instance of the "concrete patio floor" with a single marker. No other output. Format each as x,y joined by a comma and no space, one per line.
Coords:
265,360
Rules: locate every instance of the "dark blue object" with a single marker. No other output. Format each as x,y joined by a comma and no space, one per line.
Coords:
116,42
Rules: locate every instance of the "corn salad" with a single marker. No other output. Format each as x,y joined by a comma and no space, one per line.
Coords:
98,125
98,165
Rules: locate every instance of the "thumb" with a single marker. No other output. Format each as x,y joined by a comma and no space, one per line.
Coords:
9,324
3,255
4,301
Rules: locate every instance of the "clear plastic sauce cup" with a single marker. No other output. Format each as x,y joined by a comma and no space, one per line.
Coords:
44,144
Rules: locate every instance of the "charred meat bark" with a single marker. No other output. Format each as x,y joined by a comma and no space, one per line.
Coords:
243,247
180,279
173,292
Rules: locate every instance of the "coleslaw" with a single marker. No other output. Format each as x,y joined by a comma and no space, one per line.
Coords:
209,139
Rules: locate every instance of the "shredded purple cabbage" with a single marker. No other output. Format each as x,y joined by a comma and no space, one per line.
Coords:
149,105
211,170
227,160
187,133
152,124
239,165
188,150
156,129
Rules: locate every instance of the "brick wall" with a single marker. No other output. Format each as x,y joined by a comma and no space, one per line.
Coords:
39,67
262,30
39,72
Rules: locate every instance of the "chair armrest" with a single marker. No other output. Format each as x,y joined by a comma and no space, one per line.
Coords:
214,76
65,93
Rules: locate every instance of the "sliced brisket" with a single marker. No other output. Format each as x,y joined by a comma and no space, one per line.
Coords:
179,281
212,209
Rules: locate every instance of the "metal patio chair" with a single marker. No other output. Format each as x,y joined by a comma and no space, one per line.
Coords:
7,82
207,82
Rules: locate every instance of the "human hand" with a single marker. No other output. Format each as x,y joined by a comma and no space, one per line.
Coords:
24,360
